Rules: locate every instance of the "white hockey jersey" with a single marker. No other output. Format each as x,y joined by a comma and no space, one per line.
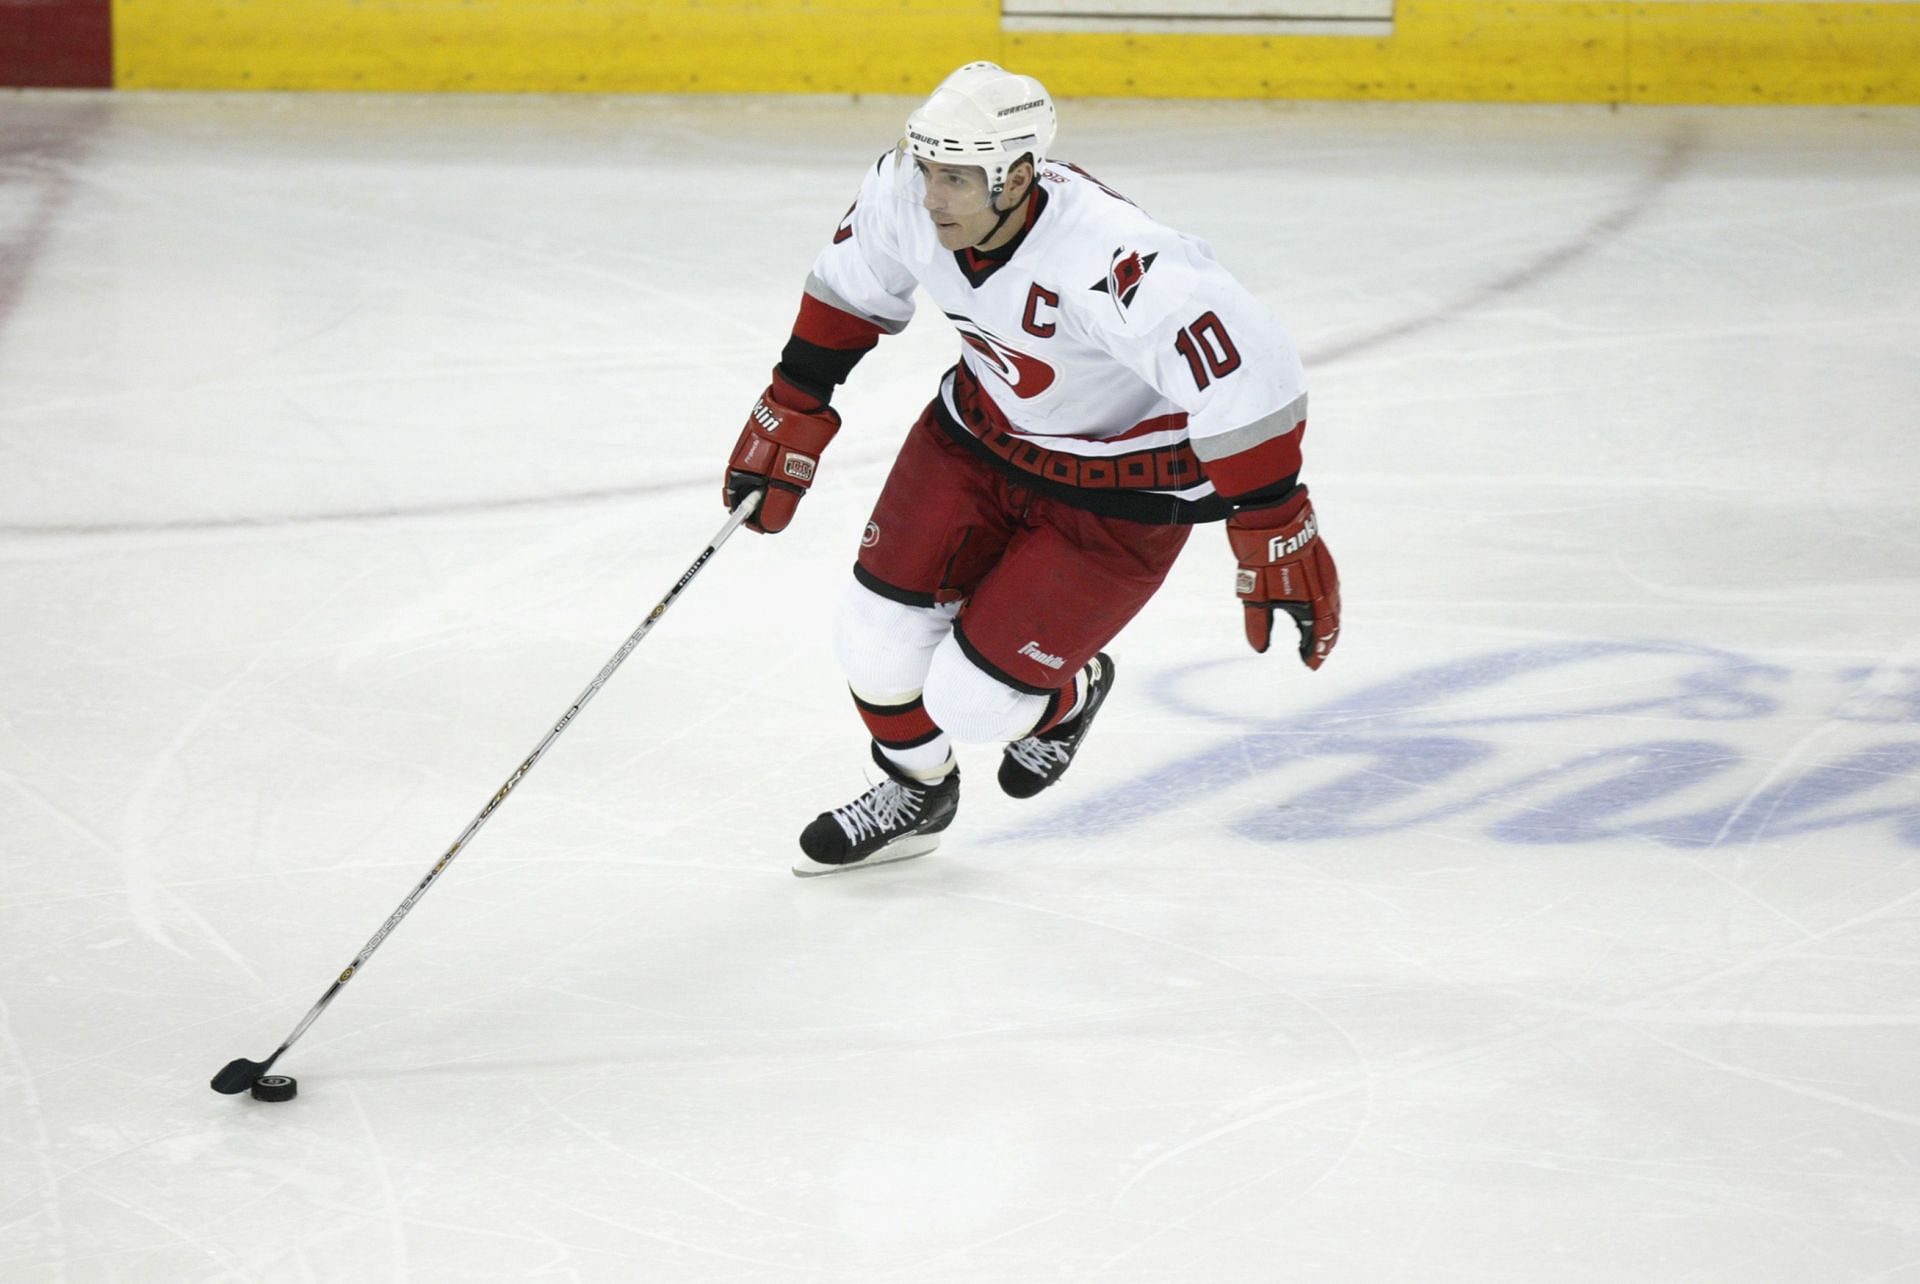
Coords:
1108,357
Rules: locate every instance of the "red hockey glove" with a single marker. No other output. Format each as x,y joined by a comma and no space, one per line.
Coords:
1284,564
778,451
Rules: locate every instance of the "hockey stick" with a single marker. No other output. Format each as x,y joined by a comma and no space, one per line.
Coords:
239,1075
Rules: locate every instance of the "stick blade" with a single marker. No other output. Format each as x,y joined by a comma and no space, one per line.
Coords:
238,1076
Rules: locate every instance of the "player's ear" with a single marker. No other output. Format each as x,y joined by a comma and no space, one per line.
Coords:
1019,180
1016,185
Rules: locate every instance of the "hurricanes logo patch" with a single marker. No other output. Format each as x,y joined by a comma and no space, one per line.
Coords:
1028,376
1125,272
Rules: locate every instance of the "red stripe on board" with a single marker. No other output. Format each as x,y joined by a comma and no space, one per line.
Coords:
56,44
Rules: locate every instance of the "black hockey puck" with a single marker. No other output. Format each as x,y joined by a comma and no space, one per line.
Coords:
275,1087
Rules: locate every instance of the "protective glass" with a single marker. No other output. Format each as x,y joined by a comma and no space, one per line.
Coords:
951,191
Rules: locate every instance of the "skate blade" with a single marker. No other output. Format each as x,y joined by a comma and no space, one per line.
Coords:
903,849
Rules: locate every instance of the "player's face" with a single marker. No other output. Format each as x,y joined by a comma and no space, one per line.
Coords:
956,198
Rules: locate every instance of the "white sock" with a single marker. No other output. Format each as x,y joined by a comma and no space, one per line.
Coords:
929,762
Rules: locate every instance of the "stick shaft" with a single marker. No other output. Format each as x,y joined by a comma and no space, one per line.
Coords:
740,514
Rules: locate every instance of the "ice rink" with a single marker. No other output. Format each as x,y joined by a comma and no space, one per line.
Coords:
1565,927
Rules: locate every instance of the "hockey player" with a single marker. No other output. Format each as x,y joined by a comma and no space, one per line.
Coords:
1115,387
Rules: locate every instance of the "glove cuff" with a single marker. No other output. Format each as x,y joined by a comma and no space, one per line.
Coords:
1269,514
1267,536
794,396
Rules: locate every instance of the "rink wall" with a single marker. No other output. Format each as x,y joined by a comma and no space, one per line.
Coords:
1645,51
65,44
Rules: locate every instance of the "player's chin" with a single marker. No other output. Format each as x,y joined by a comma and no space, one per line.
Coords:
951,235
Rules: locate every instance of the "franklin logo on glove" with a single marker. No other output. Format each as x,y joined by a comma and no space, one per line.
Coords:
1285,544
1295,575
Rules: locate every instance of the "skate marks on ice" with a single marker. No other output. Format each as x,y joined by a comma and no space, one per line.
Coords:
1687,746
59,164
1675,157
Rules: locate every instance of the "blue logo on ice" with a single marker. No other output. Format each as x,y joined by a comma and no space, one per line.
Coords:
1687,746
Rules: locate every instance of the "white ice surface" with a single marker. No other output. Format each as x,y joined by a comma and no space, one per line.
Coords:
1566,927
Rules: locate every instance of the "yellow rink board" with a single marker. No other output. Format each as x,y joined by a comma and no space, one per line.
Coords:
1670,51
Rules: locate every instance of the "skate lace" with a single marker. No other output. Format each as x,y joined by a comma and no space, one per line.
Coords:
1038,754
886,806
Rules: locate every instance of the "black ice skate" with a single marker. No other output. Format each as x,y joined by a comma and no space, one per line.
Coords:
897,819
1030,765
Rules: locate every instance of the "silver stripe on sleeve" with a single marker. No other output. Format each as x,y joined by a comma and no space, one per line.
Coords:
1278,424
822,291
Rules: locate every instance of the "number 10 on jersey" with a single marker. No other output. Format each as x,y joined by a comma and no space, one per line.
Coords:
1208,349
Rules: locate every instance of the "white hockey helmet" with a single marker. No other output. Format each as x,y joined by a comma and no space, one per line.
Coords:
986,116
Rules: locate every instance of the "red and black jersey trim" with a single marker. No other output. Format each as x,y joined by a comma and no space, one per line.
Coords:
1129,486
1267,496
978,265
819,369
826,345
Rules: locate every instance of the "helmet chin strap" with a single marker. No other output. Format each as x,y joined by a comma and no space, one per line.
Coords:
1001,221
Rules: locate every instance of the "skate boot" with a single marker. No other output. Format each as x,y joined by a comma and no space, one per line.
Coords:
1029,765
897,819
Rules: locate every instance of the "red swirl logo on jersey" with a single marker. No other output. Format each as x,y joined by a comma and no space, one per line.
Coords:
1027,376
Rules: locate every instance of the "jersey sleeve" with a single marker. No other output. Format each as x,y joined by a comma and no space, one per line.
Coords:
857,291
1180,321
